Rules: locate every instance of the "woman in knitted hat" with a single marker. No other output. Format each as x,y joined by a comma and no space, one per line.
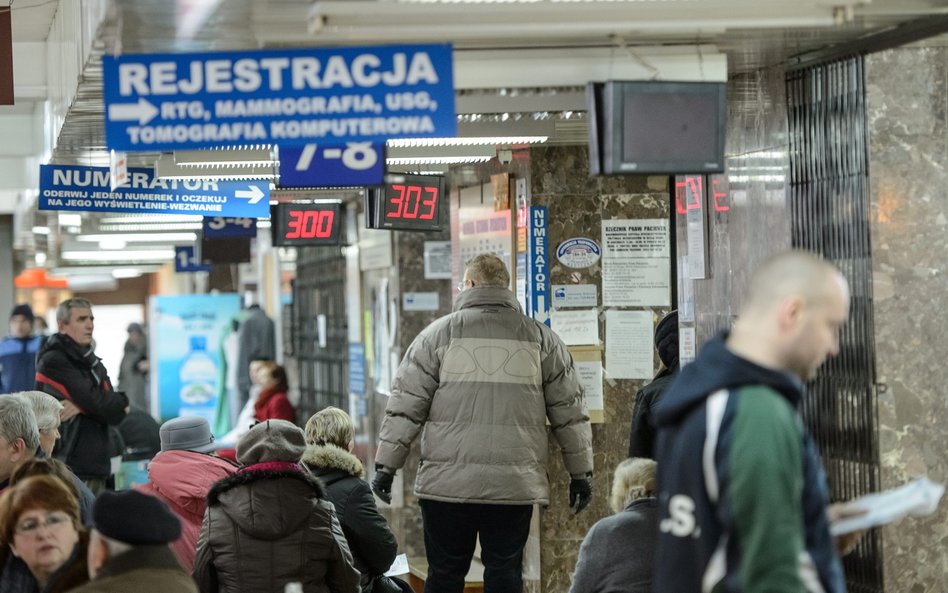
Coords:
271,523
642,435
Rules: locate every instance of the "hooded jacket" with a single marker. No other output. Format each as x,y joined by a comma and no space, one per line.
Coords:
742,492
64,371
480,385
371,542
183,479
267,525
18,363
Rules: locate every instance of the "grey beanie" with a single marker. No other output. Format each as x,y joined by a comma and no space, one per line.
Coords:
271,440
187,433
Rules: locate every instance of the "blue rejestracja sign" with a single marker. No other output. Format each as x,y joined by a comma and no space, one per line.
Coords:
287,97
357,164
87,189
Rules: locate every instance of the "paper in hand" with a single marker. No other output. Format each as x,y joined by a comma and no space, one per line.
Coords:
917,498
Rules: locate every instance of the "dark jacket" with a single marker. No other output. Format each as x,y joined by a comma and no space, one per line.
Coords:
255,341
64,371
617,554
143,569
268,525
371,542
131,381
742,487
18,363
642,433
17,577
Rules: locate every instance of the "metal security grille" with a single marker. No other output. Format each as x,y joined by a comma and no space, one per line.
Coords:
319,329
829,203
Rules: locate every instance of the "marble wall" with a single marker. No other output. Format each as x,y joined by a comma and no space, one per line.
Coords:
750,219
907,91
577,205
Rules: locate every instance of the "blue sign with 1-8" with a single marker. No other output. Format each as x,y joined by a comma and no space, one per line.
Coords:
87,189
287,97
357,164
185,261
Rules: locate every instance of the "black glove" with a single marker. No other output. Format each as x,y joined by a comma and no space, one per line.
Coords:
580,492
382,483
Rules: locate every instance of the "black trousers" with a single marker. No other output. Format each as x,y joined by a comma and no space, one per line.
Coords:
451,531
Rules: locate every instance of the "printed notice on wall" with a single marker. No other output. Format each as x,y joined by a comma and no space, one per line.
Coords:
437,260
629,345
635,263
687,345
576,328
590,377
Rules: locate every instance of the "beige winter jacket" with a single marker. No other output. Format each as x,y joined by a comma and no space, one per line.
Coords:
480,384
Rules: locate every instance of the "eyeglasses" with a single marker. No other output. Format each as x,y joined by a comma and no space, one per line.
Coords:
52,521
461,286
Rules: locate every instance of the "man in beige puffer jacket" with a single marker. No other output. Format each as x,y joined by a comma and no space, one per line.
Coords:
480,385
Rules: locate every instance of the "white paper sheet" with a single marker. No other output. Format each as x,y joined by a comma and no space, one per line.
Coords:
636,263
576,327
629,350
917,498
399,567
590,377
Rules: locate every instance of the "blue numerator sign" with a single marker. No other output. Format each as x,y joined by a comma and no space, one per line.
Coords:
185,261
87,189
287,97
357,164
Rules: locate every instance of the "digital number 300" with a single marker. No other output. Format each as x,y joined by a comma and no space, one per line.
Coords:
310,224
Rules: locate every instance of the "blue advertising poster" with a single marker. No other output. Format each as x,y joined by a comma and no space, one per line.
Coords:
88,189
287,97
357,164
538,278
186,352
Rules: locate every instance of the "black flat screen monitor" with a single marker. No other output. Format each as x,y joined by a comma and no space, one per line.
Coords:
660,127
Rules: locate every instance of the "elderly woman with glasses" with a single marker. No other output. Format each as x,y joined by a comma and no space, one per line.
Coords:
39,524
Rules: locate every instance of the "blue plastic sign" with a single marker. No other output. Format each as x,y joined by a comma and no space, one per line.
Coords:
357,368
186,262
223,227
538,277
287,97
357,164
88,189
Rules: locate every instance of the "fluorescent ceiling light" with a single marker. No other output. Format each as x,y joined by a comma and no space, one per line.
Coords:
139,237
151,218
40,259
41,230
240,157
487,141
119,256
129,228
70,220
434,160
119,273
112,244
167,168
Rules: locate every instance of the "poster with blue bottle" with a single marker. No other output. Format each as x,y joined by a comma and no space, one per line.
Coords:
186,347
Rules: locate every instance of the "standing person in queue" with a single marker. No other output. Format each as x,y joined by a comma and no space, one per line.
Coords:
642,433
68,369
18,352
272,403
743,497
481,383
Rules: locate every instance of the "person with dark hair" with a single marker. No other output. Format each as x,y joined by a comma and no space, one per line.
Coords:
642,434
39,524
18,352
68,369
272,403
182,475
128,549
271,523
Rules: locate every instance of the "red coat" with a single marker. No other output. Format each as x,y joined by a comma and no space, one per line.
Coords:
272,404
182,479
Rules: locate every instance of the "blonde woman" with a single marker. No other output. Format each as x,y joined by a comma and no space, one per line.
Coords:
329,457
617,553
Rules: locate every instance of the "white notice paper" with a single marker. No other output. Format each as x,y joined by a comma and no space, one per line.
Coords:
590,377
576,327
629,345
686,345
636,268
420,301
437,260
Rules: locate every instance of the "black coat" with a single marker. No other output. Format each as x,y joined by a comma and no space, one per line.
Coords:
64,371
372,543
642,434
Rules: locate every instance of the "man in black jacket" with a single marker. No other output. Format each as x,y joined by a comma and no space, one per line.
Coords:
68,369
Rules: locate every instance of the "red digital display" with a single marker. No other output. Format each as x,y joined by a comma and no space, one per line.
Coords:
412,203
305,224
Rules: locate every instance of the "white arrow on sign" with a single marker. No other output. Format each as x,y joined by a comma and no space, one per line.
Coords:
254,194
542,313
143,111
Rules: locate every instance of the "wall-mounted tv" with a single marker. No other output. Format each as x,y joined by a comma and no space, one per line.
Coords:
656,127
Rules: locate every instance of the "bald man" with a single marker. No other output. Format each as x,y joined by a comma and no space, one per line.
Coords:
743,498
